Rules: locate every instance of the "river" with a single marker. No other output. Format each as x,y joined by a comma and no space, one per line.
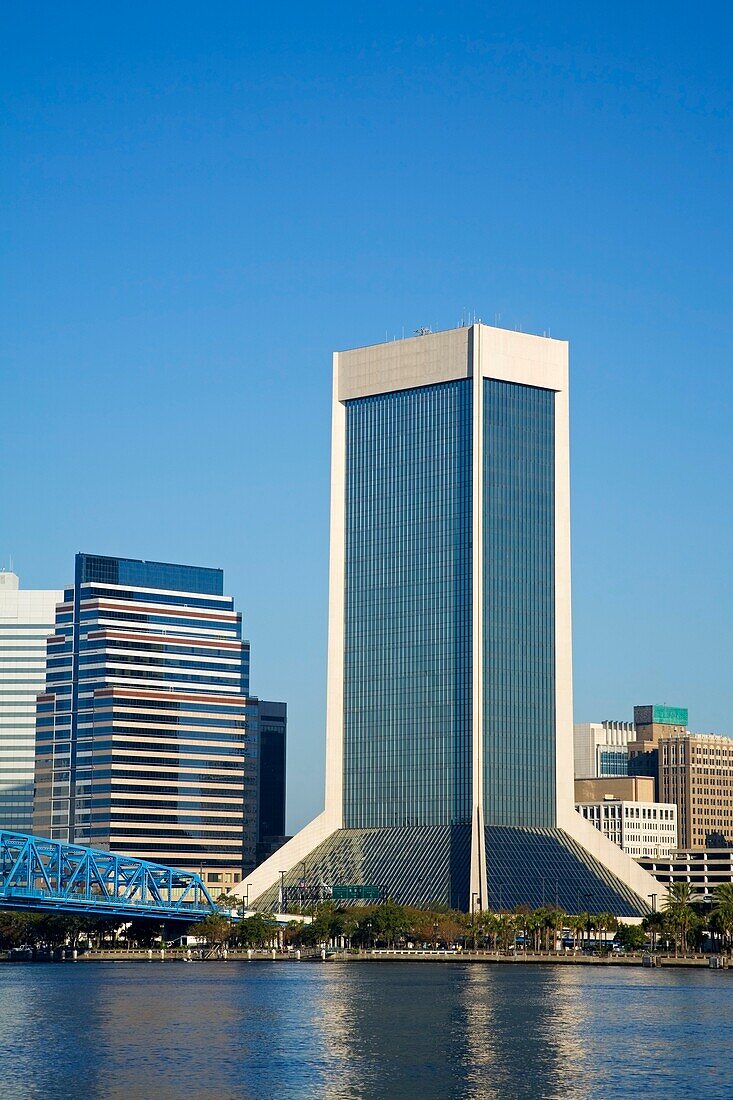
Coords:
134,1030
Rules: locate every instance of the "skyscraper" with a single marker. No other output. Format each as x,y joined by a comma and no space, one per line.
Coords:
273,725
449,771
143,740
26,620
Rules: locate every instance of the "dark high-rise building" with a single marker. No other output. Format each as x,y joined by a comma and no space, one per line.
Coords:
145,736
449,755
273,751
273,721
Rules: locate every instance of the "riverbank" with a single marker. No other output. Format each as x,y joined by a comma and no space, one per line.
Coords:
528,958
385,955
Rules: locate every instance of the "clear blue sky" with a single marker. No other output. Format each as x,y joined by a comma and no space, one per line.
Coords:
199,203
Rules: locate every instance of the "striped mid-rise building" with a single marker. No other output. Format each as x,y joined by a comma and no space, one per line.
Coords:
146,738
26,620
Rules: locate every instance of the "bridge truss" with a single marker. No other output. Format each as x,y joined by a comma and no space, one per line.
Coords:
50,875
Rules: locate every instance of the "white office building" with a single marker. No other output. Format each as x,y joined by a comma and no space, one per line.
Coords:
601,748
449,701
26,620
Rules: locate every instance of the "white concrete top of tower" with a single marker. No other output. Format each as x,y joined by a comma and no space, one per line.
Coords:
446,356
26,605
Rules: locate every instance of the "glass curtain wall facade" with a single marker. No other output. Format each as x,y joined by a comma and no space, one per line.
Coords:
407,652
145,736
519,624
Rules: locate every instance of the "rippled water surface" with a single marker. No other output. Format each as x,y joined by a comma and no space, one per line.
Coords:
260,1030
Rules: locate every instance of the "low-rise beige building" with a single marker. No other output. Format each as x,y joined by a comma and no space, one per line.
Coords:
624,810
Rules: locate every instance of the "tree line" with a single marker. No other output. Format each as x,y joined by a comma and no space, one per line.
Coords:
680,925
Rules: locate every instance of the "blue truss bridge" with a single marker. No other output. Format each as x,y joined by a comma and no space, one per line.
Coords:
50,875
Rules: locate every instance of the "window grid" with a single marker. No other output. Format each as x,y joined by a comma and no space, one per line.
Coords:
407,657
519,621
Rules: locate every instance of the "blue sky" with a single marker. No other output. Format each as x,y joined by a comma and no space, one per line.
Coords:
197,205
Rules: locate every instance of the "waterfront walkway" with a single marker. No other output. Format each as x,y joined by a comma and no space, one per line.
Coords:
385,955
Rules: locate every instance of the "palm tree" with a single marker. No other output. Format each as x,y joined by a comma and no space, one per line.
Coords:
507,929
578,925
678,908
533,926
723,911
553,920
606,922
654,923
489,926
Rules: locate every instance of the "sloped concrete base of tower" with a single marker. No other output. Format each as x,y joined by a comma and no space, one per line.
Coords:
424,865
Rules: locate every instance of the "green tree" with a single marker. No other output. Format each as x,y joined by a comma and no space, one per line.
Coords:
533,930
631,937
552,921
507,931
215,930
578,925
722,914
655,924
679,912
255,931
389,922
606,922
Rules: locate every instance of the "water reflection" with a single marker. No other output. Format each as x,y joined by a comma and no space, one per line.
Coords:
362,1030
520,1030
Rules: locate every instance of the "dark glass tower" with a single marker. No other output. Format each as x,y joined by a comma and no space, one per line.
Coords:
449,772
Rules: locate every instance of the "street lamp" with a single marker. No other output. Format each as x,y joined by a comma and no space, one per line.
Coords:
587,898
474,895
653,929
302,891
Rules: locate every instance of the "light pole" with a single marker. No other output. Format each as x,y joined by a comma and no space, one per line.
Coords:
587,898
654,923
302,892
474,895
282,891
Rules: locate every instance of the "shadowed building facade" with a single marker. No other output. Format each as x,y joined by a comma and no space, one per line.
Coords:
449,773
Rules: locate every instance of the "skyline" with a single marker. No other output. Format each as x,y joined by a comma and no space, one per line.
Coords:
173,303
